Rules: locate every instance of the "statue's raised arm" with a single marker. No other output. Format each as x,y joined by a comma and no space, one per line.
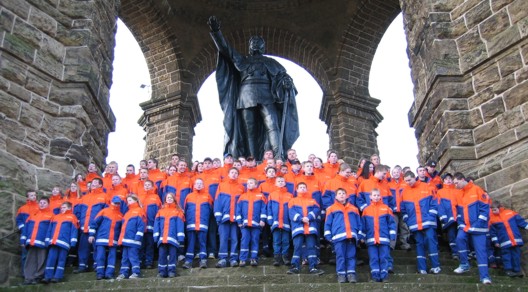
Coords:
214,23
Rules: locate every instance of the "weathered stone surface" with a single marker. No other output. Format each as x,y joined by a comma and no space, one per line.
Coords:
516,96
20,92
12,129
47,179
523,27
510,119
486,131
498,4
504,84
7,208
510,64
462,119
37,140
507,176
59,146
486,78
495,143
13,69
59,164
79,154
43,22
44,105
24,152
20,8
494,25
38,83
472,49
492,109
449,30
463,7
6,20
503,40
10,106
478,13
461,137
30,116
68,128
517,10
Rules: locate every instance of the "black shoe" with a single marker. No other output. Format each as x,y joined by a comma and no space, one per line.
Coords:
53,280
267,252
341,279
511,274
292,271
253,263
351,278
286,260
99,278
277,260
391,270
45,281
316,271
78,271
332,261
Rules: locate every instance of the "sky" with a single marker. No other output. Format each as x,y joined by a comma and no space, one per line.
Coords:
389,81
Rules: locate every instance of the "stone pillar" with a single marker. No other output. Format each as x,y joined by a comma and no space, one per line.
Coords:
55,75
469,68
352,122
169,125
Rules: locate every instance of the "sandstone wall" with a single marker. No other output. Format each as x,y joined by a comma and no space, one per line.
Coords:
55,75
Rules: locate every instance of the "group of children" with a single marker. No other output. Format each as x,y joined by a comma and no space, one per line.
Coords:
182,212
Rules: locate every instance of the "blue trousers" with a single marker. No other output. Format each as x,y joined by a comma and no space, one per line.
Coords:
511,258
345,257
55,262
191,243
281,241
309,240
228,232
426,239
105,264
147,249
168,255
212,232
479,244
83,251
249,242
378,255
451,231
130,261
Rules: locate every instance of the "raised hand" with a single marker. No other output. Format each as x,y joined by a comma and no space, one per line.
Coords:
214,23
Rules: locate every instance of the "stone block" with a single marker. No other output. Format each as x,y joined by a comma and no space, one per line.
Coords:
45,60
7,211
43,21
12,129
443,5
79,154
20,92
504,84
498,142
462,8
517,10
38,83
510,64
478,13
47,179
19,47
6,21
507,176
510,119
59,164
20,8
516,96
458,137
472,50
30,116
489,167
486,132
44,105
492,109
77,9
514,155
486,77
24,152
503,40
10,106
523,27
68,128
496,5
12,69
519,192
494,25
36,140
462,119
59,146
448,30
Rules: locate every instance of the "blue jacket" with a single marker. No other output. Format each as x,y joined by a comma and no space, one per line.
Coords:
419,207
304,206
36,228
169,226
342,222
505,228
251,209
198,208
133,227
106,226
225,202
378,224
473,210
63,230
278,214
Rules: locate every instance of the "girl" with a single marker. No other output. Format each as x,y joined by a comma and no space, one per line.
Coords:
130,238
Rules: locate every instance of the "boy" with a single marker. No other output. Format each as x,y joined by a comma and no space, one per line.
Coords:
304,212
33,238
279,221
379,228
151,204
342,228
198,207
420,209
104,233
224,210
31,207
447,199
506,234
251,217
62,235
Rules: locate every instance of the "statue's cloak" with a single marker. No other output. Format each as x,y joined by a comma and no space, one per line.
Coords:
228,82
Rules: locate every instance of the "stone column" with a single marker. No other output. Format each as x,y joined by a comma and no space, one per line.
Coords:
55,74
169,125
469,68
352,122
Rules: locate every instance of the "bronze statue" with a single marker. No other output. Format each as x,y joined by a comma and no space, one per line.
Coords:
257,98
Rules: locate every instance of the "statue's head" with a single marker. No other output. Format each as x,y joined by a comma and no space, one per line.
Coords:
256,45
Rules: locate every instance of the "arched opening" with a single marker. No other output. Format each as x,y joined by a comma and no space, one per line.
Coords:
130,87
390,82
209,133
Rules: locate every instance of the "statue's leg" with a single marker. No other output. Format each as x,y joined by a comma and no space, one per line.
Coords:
250,125
271,122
